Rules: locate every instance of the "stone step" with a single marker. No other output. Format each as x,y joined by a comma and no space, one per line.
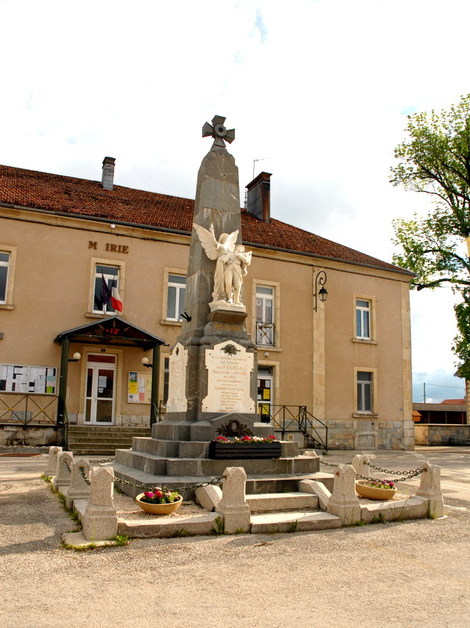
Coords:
298,521
269,502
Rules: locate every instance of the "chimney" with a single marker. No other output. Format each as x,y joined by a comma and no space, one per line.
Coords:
107,178
258,201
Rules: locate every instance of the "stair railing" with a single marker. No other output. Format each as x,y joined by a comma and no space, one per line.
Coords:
286,418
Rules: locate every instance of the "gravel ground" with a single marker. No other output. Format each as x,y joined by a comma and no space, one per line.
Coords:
397,574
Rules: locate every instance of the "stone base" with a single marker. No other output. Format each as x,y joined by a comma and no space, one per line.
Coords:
203,426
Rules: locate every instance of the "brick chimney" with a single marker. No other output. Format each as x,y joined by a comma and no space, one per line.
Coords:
107,178
258,202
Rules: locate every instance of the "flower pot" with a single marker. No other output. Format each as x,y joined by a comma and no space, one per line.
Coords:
158,509
243,451
370,492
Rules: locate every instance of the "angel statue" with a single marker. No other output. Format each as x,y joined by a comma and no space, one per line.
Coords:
232,263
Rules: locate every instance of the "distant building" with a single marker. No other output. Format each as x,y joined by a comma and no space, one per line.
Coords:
74,251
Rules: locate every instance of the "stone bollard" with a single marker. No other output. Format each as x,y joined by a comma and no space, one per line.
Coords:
52,460
100,519
208,497
79,487
360,463
63,475
343,501
430,487
233,505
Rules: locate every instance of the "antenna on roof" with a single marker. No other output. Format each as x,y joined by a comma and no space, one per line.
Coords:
255,162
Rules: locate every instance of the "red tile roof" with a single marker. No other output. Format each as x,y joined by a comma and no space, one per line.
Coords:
85,198
453,402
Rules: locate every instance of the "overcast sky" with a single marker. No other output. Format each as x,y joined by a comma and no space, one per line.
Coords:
318,92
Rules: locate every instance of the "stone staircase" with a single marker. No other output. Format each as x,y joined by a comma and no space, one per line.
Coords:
99,440
288,512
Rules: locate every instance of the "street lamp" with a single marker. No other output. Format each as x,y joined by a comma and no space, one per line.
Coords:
320,290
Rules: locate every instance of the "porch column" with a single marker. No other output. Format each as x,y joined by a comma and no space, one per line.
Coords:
155,381
64,365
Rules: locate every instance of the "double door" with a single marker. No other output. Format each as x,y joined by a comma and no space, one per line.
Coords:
100,389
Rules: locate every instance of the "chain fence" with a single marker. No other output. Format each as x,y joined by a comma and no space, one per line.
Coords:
402,475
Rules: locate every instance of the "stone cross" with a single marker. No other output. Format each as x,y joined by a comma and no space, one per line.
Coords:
218,131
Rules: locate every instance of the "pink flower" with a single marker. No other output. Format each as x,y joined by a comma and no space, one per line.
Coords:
158,494
148,494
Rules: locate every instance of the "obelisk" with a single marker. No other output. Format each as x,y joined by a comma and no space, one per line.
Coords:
213,364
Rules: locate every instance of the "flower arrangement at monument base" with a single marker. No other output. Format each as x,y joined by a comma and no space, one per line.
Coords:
160,501
376,489
243,447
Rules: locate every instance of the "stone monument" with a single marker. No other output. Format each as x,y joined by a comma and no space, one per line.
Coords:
213,365
213,368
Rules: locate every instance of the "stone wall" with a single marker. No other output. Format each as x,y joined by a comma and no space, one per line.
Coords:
363,434
31,436
441,434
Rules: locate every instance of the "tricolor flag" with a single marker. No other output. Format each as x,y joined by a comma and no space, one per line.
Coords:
110,297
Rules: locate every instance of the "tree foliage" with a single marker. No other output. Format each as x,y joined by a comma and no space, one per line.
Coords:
435,160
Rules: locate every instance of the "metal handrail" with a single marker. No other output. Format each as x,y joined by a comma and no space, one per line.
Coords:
287,418
28,410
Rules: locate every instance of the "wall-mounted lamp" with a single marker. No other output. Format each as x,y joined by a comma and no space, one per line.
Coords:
146,362
320,290
76,357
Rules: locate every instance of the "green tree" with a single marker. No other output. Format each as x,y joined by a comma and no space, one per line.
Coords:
434,159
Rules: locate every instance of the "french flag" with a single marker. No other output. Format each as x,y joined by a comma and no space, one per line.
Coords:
110,297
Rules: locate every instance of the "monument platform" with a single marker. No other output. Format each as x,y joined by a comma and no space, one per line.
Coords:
175,464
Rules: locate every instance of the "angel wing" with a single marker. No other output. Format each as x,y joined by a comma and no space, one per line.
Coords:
231,240
208,241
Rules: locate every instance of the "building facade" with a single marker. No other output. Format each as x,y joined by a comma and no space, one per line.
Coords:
96,269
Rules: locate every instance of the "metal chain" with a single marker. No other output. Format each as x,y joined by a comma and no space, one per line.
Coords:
407,475
372,466
84,475
216,481
102,461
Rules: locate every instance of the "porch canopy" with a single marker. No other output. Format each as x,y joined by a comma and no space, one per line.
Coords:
113,331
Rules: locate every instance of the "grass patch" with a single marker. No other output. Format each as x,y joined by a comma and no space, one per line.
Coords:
218,526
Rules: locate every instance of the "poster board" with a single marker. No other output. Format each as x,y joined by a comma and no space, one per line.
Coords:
20,378
139,387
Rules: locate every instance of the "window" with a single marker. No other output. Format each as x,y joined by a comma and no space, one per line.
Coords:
363,312
106,278
175,297
4,267
265,315
364,391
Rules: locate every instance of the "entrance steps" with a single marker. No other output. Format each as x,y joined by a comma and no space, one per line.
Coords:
302,521
102,440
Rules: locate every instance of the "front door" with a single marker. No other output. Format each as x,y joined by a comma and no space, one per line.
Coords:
100,389
265,392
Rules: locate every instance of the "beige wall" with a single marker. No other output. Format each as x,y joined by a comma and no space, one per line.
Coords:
316,356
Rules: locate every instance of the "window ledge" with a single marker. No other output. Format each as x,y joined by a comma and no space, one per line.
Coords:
365,415
7,306
364,341
164,321
101,314
268,348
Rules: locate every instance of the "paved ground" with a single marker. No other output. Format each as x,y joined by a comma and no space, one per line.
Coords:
398,574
